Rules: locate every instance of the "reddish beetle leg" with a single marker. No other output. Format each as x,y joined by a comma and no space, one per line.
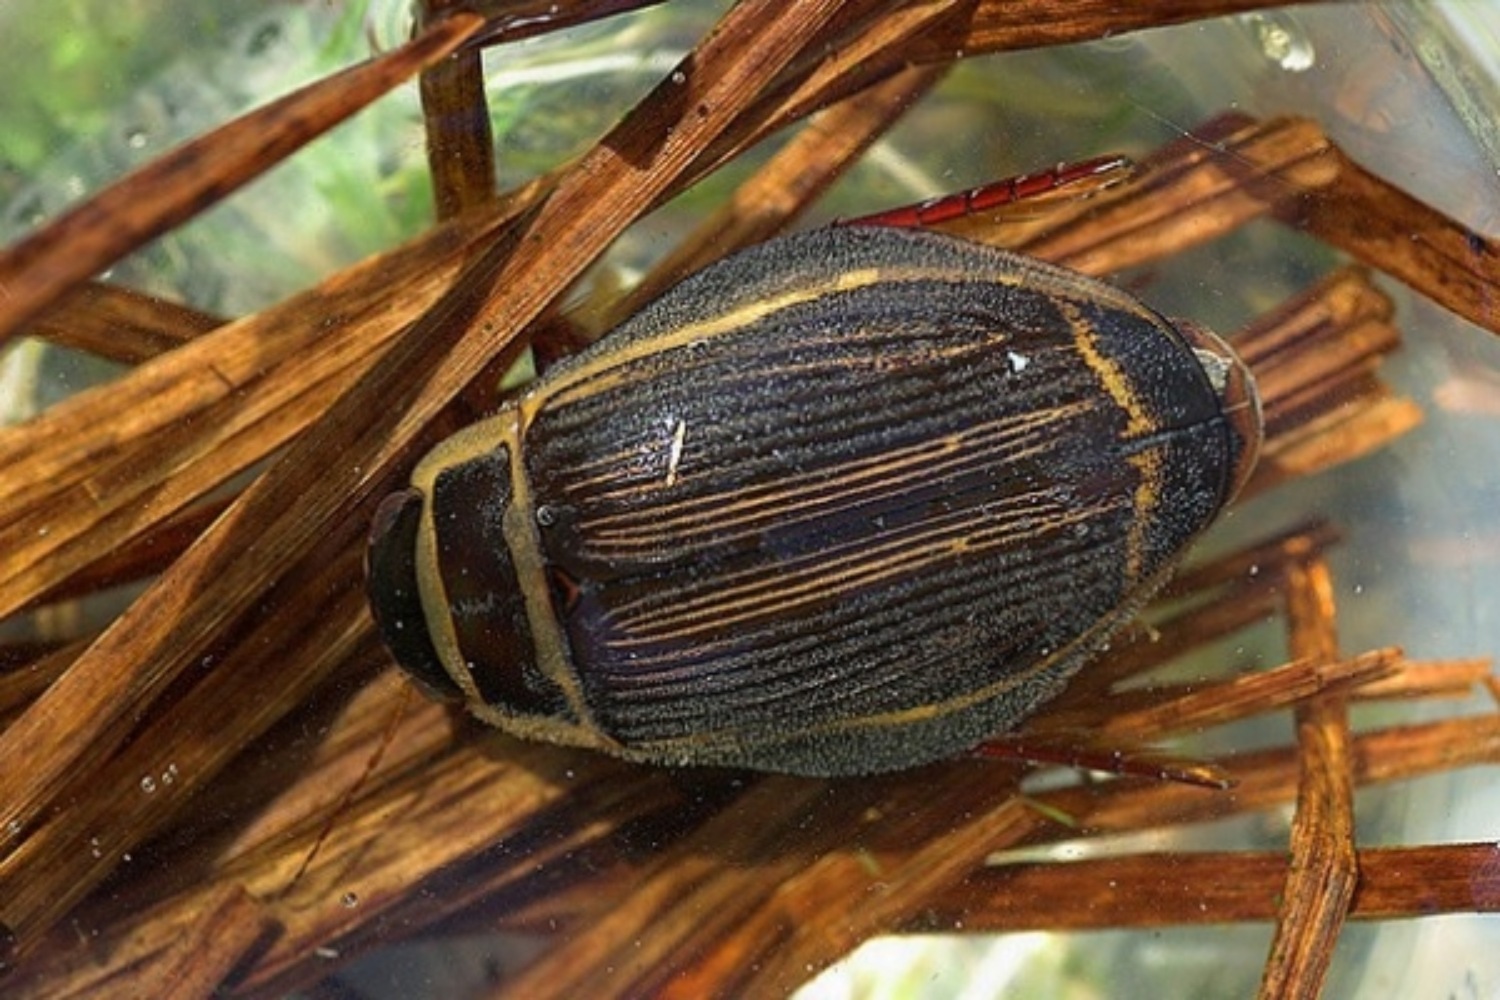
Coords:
1082,179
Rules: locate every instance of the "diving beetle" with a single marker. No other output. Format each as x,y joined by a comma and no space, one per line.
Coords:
845,502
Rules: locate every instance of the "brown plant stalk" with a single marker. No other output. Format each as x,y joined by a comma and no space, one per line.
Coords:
326,807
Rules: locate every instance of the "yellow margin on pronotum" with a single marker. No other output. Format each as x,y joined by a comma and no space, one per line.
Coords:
519,528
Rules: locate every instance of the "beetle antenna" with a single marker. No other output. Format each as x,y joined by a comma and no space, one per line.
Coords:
403,701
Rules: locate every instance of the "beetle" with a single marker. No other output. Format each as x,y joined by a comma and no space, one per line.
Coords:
849,501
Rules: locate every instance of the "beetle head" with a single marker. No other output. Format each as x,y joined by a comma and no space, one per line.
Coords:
395,597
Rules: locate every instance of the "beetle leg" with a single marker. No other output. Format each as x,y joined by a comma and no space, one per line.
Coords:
1084,752
1069,179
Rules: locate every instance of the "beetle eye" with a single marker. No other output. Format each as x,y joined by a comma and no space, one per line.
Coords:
545,516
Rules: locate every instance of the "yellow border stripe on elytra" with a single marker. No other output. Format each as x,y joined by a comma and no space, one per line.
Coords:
610,368
1139,423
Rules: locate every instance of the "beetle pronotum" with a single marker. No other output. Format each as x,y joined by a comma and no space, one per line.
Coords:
846,502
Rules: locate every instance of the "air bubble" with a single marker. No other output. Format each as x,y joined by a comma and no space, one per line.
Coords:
1283,41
